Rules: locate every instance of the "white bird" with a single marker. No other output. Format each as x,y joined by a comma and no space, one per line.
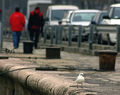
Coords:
80,79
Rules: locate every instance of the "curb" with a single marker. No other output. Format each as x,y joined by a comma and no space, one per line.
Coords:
39,83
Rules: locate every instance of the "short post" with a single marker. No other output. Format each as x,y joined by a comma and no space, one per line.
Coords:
69,38
107,60
118,39
56,35
92,27
2,24
45,33
28,47
52,52
60,29
80,35
52,34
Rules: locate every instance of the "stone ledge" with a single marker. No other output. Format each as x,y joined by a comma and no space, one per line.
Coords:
39,83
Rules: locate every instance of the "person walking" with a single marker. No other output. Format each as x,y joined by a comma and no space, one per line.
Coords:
17,22
35,25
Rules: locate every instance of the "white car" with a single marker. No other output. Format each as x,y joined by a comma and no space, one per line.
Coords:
113,18
56,12
83,17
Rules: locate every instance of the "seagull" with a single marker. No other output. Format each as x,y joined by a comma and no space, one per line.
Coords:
80,79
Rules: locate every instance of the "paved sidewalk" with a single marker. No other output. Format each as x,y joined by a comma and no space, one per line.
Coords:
96,82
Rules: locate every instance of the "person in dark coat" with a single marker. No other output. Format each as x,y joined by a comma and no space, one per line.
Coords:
35,25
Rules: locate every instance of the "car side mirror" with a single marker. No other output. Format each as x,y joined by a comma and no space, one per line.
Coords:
93,22
68,20
106,17
59,22
46,19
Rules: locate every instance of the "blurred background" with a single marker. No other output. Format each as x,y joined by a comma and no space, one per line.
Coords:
82,4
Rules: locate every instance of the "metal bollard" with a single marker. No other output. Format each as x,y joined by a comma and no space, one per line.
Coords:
45,33
92,27
69,39
80,35
118,39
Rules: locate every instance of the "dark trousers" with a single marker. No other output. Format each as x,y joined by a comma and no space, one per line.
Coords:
34,36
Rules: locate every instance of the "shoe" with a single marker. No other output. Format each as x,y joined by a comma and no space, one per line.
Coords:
15,47
35,47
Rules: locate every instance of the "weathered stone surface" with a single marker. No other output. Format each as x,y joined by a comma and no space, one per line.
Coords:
39,83
57,82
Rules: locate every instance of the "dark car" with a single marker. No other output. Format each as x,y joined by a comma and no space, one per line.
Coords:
97,19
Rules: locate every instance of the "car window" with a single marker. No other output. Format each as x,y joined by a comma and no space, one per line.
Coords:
101,17
83,16
110,11
116,12
66,16
71,15
57,15
96,17
47,14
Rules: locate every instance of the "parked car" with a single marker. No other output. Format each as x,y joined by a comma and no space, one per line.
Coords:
56,12
97,19
82,17
113,18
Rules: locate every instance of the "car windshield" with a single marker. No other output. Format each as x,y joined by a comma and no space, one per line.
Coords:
116,13
67,16
83,16
57,15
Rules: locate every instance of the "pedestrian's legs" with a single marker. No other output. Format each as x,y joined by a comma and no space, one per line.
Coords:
18,38
36,38
31,34
14,39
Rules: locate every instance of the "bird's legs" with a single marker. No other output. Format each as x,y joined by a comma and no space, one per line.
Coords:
82,85
77,85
